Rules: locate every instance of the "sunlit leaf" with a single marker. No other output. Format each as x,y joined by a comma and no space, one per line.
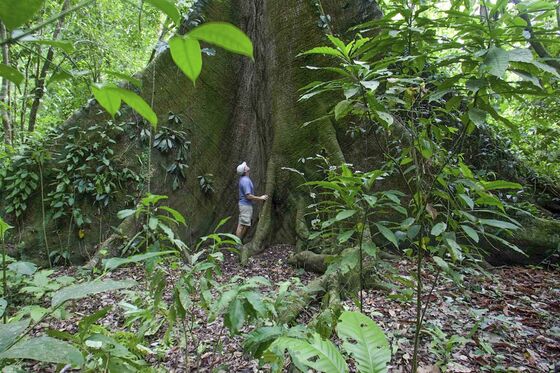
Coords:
186,53
11,74
15,13
169,8
224,35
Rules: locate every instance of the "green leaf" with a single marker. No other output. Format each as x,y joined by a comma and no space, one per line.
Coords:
132,80
113,263
4,227
477,116
327,51
385,117
370,84
122,214
10,332
468,200
153,222
498,224
137,103
342,109
547,68
455,250
176,214
259,339
520,55
496,61
441,263
23,268
236,316
109,100
168,8
500,184
224,35
255,300
438,229
65,45
82,290
45,349
364,341
388,234
15,13
470,232
11,74
344,214
320,355
186,54
345,236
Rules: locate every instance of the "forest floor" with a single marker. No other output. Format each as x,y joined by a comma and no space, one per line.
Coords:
508,320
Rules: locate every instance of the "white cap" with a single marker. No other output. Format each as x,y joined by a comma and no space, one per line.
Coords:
242,168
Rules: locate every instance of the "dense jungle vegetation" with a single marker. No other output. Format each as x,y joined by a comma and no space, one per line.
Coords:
409,152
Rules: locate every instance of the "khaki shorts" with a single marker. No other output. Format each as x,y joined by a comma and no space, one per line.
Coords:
245,214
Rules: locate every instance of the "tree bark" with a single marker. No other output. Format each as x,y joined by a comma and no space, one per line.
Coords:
39,90
5,91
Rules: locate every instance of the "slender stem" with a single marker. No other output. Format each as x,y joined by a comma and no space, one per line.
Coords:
43,214
4,279
364,221
427,303
418,304
12,40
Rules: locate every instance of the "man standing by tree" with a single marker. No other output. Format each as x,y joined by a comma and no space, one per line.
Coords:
246,198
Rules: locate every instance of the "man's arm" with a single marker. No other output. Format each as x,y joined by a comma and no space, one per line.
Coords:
251,197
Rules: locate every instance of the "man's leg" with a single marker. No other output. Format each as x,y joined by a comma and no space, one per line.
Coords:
240,231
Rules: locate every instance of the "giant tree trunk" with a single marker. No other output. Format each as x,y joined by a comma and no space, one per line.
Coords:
243,110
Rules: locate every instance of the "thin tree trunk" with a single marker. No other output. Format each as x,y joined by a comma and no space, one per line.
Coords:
537,46
40,82
163,31
5,91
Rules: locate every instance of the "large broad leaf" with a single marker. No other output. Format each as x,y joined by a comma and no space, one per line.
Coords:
498,224
10,332
224,35
496,61
87,288
15,13
11,74
388,234
477,116
500,184
321,355
113,263
186,54
365,341
259,339
65,45
438,229
137,103
344,214
329,51
168,8
109,100
520,55
23,268
46,349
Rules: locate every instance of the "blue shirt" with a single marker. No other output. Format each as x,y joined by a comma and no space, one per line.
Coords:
245,187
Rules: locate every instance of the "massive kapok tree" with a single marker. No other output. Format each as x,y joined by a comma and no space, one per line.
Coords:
240,110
